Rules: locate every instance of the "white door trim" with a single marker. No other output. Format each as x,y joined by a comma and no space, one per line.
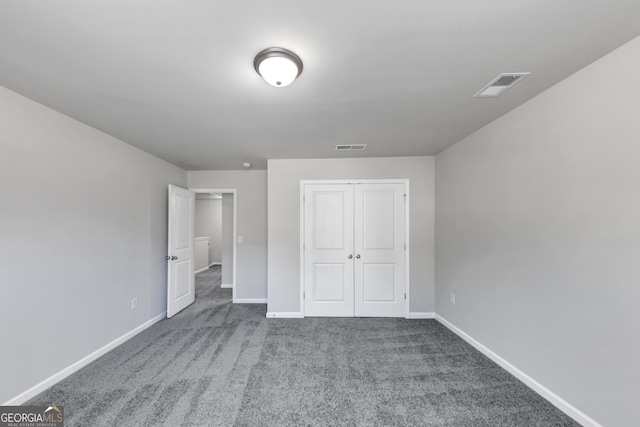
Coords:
407,258
233,191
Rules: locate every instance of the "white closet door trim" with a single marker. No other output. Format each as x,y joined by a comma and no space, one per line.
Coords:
406,226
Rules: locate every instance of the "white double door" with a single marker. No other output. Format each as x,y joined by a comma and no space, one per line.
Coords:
354,250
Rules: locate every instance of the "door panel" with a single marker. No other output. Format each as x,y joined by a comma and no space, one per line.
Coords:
379,282
182,224
329,221
180,276
379,247
328,271
181,283
328,283
378,227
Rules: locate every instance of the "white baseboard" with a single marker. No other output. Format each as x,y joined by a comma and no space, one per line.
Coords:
556,400
226,285
420,315
284,315
206,268
250,301
57,377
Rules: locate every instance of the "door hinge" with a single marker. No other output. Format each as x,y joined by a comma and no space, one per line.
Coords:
405,197
304,295
405,295
405,246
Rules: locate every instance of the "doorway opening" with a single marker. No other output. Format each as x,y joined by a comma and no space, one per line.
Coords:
216,233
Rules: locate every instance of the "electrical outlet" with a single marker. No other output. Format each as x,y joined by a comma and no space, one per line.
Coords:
453,298
134,304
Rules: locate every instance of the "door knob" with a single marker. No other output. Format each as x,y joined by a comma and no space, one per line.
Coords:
350,256
174,257
167,257
358,256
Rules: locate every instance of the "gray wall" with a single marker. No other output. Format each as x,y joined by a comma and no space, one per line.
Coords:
97,231
208,223
538,235
284,220
227,239
251,264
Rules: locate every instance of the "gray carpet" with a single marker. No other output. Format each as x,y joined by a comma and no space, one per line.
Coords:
220,364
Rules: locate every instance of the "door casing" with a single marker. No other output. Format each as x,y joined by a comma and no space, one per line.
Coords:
406,231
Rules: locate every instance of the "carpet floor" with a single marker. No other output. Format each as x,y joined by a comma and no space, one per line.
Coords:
223,364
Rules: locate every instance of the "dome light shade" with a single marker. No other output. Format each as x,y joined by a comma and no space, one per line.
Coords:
278,66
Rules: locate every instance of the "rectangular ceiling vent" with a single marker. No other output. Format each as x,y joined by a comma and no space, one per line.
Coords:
500,85
353,147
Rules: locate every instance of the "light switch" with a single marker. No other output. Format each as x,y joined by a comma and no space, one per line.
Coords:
240,239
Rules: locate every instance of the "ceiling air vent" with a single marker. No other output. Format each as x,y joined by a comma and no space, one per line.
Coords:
500,84
353,147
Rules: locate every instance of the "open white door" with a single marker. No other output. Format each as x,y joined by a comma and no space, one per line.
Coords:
181,290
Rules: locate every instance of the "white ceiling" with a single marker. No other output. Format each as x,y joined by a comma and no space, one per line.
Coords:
176,78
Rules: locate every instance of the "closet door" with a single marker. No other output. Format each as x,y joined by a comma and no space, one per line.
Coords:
328,251
379,250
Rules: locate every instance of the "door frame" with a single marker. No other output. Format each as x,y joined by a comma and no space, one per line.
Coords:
407,264
233,191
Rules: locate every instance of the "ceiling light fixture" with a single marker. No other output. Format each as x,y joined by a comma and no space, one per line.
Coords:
278,66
